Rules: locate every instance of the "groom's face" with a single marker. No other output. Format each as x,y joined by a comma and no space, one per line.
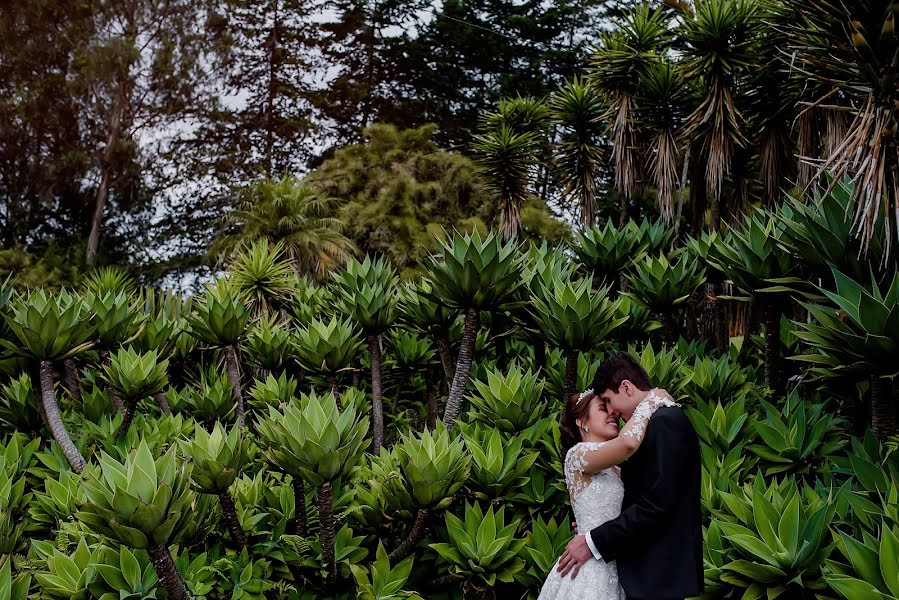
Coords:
619,403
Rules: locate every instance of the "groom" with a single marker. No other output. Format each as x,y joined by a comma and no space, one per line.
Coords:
657,540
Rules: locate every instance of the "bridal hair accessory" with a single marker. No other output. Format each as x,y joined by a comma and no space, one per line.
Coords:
583,395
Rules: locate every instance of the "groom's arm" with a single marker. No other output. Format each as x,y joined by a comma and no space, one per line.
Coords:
668,448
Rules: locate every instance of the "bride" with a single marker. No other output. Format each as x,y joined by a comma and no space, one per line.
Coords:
594,448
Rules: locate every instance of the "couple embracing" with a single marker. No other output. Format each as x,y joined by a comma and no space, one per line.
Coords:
639,524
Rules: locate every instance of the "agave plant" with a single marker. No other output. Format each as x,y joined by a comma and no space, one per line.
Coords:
511,401
141,503
220,320
134,376
709,379
483,548
50,327
311,439
123,575
381,581
606,252
57,502
575,317
267,345
19,406
262,276
367,293
721,425
13,503
663,366
873,570
15,588
820,230
798,438
499,462
780,535
473,274
218,458
68,577
272,392
209,399
546,542
655,237
327,348
858,337
753,259
422,314
663,286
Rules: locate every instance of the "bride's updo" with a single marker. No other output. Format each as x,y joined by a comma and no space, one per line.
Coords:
576,407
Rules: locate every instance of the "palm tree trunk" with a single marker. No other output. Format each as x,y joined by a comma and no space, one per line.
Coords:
114,399
232,366
128,416
446,356
570,374
73,382
670,330
167,573
377,403
540,356
415,535
326,530
432,404
163,404
54,419
301,527
883,407
231,519
463,366
773,372
357,373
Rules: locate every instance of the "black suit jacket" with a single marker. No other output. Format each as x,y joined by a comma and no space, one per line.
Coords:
657,540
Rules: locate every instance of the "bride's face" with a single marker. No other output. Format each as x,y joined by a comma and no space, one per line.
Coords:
599,422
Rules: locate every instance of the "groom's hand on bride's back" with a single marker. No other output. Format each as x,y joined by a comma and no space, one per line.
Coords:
575,556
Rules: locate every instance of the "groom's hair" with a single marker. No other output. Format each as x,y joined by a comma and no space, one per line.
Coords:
617,368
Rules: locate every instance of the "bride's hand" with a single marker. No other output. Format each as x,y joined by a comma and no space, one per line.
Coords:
662,392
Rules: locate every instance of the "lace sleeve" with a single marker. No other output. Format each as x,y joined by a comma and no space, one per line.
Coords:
639,421
575,462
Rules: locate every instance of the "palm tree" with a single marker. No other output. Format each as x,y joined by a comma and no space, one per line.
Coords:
576,108
618,65
367,291
719,46
289,212
471,275
263,277
220,320
661,102
49,327
507,158
847,50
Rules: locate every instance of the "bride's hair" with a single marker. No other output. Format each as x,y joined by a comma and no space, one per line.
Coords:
574,410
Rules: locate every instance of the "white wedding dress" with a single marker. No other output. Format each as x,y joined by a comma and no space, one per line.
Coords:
594,500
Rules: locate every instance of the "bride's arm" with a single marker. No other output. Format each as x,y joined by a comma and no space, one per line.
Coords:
619,449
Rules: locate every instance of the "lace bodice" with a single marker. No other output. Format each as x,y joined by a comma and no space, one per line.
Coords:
595,499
